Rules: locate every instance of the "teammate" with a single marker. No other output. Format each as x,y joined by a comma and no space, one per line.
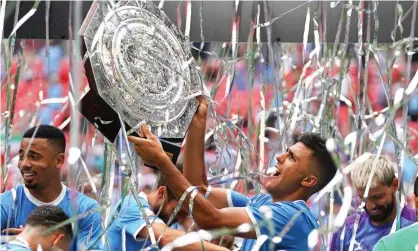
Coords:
404,239
130,229
303,170
380,210
416,194
35,234
41,156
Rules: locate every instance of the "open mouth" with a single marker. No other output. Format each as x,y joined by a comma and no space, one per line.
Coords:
376,211
276,172
273,172
28,174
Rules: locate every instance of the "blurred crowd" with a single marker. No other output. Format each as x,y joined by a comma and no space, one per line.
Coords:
40,78
43,78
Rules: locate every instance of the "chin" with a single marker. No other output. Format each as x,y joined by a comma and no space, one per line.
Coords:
378,218
31,186
269,187
272,185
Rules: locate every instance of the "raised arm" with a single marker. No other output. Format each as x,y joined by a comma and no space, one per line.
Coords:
194,164
194,149
204,213
168,235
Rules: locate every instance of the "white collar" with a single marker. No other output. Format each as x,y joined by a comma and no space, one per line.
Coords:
38,203
143,196
20,242
304,202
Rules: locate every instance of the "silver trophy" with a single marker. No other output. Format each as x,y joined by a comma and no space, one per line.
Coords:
142,66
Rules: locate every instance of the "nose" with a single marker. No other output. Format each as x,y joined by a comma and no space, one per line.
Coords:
370,205
25,163
281,157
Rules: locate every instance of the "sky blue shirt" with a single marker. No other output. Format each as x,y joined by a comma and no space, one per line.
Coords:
15,246
296,237
123,232
17,204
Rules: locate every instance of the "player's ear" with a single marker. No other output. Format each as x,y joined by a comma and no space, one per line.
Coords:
60,160
310,181
162,190
57,239
395,184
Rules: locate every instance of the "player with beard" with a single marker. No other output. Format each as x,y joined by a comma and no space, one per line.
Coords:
41,157
129,230
404,239
380,210
416,194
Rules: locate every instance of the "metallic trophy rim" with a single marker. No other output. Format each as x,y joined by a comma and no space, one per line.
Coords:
113,86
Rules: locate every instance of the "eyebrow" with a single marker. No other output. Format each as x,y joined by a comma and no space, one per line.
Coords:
378,194
29,152
369,195
292,154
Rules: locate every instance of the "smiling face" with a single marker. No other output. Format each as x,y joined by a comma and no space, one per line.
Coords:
380,204
292,171
41,163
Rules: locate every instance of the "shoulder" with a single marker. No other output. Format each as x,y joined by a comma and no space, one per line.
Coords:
132,211
343,234
411,230
13,247
409,214
83,201
402,237
348,225
381,245
10,195
131,203
6,196
298,208
260,199
292,207
349,222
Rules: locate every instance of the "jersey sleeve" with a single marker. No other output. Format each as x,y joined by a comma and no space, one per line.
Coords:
6,200
133,221
90,231
236,199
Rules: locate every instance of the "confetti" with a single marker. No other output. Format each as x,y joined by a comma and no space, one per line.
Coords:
259,93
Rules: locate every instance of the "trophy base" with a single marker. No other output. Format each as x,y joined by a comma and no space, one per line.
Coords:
107,121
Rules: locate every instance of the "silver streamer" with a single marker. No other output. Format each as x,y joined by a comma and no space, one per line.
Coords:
144,69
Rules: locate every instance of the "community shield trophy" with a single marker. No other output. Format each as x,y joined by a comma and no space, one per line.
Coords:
140,70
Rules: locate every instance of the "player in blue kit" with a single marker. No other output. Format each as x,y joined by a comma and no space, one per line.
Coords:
129,230
40,162
300,172
34,233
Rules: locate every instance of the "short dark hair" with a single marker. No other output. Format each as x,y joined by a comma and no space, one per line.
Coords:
53,135
416,186
161,181
325,164
49,216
